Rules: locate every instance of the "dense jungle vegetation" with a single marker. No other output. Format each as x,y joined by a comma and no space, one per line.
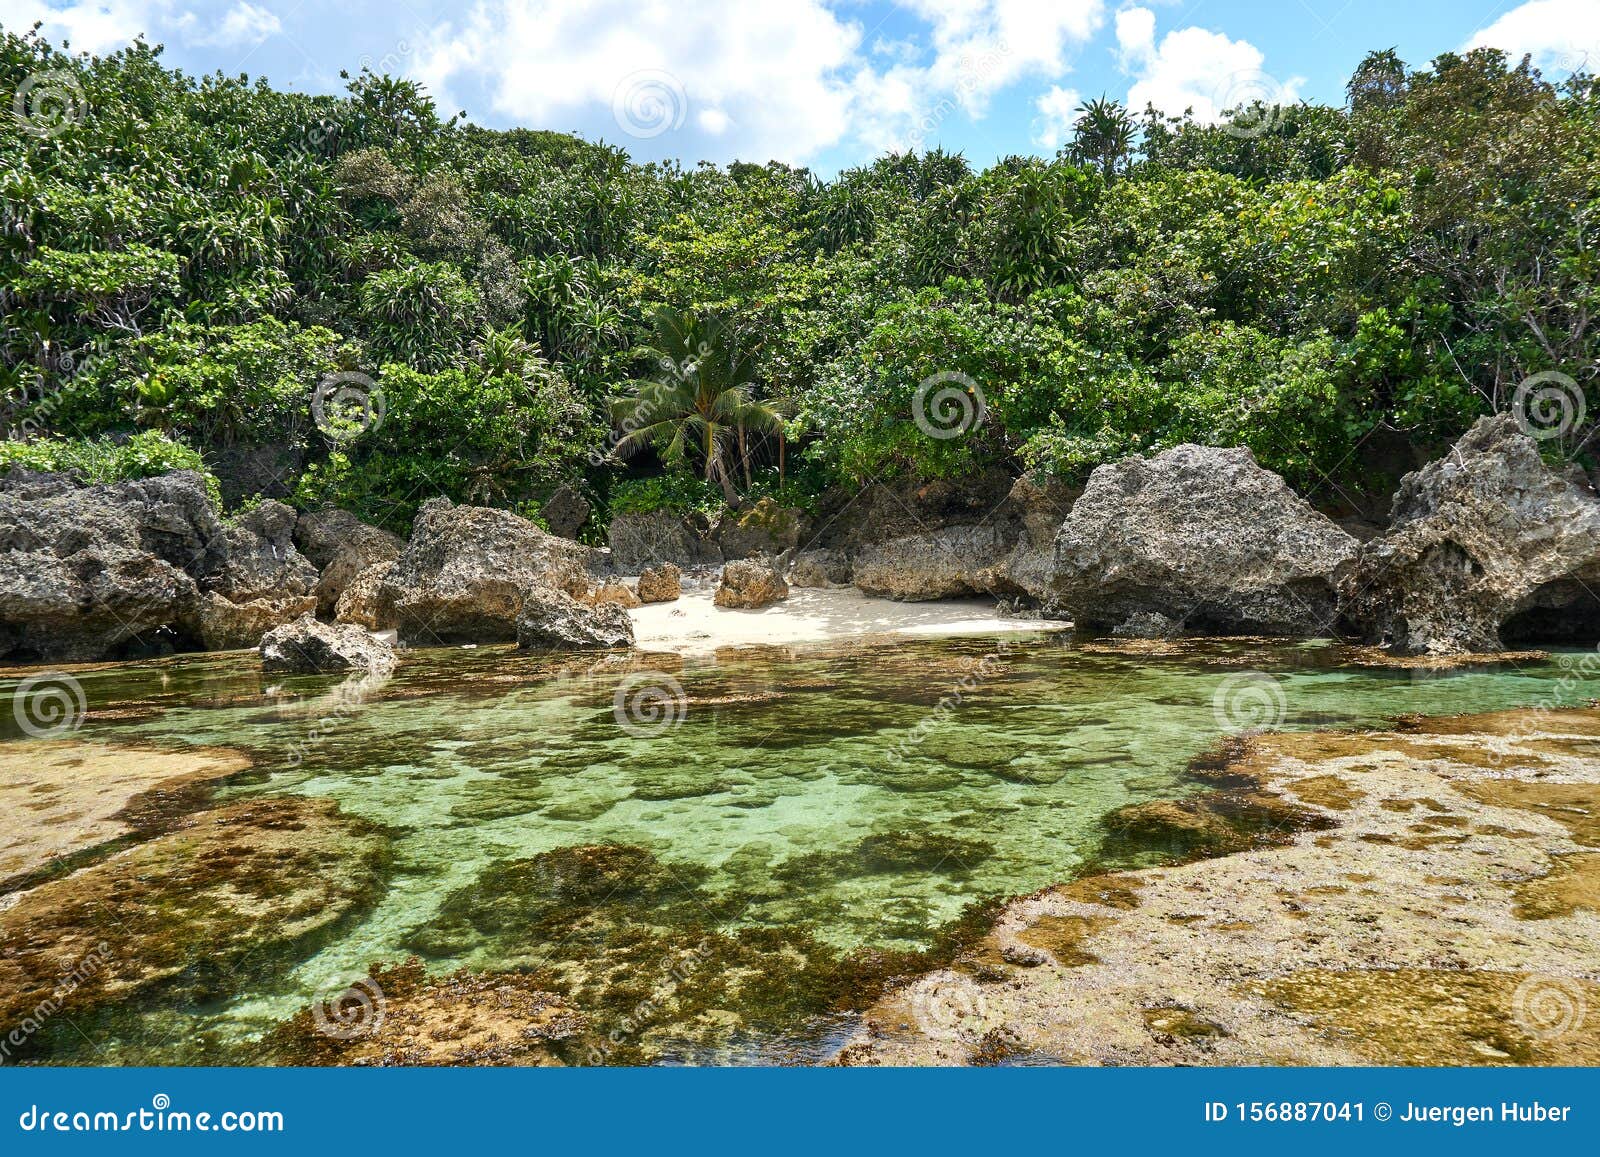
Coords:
186,261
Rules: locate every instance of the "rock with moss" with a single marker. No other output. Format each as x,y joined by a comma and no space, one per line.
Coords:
465,571
765,528
1486,545
750,583
660,584
552,620
307,646
1205,537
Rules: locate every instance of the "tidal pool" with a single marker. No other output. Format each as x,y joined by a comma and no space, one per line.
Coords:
777,830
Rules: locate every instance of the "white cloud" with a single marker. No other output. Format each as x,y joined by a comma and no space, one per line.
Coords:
1561,35
1194,68
243,25
96,26
1057,112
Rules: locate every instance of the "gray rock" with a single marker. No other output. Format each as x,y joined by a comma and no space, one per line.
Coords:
224,625
1484,545
341,546
309,647
820,568
565,512
937,564
639,541
749,583
1205,537
365,602
1038,506
466,569
552,620
763,529
259,559
1147,625
660,584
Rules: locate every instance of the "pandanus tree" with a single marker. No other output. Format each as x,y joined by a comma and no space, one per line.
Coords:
697,407
1102,135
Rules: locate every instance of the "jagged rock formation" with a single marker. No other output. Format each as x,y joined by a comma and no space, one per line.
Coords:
552,620
306,646
750,583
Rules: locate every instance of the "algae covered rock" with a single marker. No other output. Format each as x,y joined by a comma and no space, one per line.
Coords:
763,529
1204,537
552,620
750,583
307,646
1484,544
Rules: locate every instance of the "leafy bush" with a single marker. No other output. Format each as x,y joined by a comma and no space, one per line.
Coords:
108,459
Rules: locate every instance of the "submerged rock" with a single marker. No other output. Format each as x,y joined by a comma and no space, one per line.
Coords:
750,583
342,547
552,620
234,894
939,564
660,584
464,573
1205,537
1484,544
306,646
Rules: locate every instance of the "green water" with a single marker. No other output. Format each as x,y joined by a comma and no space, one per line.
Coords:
815,797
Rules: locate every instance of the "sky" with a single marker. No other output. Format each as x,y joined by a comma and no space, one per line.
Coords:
825,83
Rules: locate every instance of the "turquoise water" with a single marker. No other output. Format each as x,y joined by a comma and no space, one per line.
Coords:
844,800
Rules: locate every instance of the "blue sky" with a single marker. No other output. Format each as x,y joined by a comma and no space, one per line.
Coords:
828,83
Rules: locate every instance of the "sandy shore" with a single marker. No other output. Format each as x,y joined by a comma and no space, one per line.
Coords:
694,625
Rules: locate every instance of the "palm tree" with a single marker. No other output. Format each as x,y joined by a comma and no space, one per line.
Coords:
1103,134
699,402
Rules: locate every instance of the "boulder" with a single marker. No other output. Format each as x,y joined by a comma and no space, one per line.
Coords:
763,529
565,512
259,559
643,540
1204,537
1485,545
306,646
552,620
750,583
613,590
937,564
660,584
820,568
341,546
224,625
463,574
1037,505
364,601
849,518
90,572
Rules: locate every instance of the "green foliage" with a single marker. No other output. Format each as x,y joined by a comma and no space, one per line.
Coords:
107,459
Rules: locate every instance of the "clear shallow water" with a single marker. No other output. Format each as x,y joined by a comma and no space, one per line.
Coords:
819,804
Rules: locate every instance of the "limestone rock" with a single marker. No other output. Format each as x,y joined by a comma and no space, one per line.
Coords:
463,574
224,625
308,647
613,591
341,546
552,620
565,512
660,584
763,529
365,602
1205,537
649,539
820,568
259,559
750,583
1484,545
937,564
